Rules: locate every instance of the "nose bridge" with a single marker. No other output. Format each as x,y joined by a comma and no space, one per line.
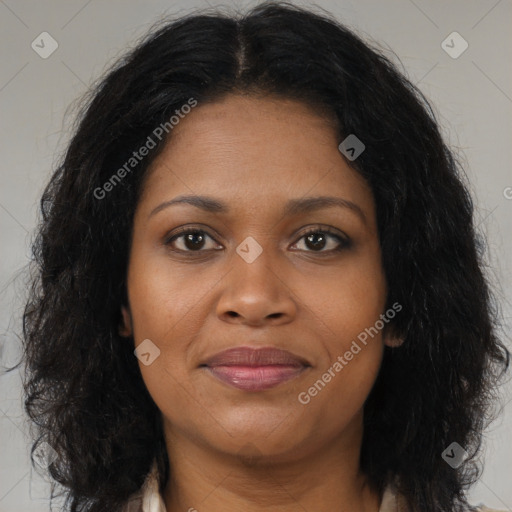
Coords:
254,264
254,287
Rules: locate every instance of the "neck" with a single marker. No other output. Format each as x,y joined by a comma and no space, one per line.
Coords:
325,480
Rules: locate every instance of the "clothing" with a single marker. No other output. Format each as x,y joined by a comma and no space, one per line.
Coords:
148,499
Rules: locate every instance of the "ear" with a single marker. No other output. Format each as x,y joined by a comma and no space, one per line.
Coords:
391,339
393,342
125,327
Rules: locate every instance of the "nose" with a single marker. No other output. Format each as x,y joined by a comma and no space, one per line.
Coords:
256,293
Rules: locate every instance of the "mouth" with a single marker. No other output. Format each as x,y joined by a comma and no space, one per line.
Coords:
252,369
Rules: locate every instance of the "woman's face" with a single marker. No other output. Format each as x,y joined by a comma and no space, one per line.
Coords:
255,277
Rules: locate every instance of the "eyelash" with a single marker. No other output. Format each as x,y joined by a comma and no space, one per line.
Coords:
344,243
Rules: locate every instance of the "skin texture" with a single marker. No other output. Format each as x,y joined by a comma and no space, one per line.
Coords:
231,449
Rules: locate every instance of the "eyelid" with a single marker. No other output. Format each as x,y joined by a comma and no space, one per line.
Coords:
343,240
183,230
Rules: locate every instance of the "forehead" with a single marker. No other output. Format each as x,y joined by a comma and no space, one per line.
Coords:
254,120
253,150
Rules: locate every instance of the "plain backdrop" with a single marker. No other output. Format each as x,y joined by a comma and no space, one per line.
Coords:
472,95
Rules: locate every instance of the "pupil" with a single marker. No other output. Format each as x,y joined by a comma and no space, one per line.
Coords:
316,245
192,238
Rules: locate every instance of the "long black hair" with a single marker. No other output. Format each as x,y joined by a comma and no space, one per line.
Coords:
83,387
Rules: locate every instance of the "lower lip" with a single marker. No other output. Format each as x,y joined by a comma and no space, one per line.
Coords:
255,378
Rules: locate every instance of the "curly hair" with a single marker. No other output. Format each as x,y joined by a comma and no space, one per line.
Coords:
84,393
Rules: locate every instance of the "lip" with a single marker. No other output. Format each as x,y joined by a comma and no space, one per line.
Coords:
255,378
253,369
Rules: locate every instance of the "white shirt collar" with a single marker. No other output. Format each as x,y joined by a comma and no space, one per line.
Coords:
148,499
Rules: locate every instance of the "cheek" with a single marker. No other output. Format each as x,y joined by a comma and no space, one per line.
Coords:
347,309
163,298
335,397
168,307
158,307
352,354
350,299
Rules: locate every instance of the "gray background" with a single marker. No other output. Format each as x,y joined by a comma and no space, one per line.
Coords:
472,95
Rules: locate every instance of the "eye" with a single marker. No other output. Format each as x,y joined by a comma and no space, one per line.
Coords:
322,240
318,239
190,240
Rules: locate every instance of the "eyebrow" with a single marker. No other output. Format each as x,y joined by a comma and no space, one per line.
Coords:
292,207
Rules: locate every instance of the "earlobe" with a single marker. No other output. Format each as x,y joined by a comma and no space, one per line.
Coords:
393,341
125,327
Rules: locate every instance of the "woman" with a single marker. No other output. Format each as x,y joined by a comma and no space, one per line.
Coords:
259,283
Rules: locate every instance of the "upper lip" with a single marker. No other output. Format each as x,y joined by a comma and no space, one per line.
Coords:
248,356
